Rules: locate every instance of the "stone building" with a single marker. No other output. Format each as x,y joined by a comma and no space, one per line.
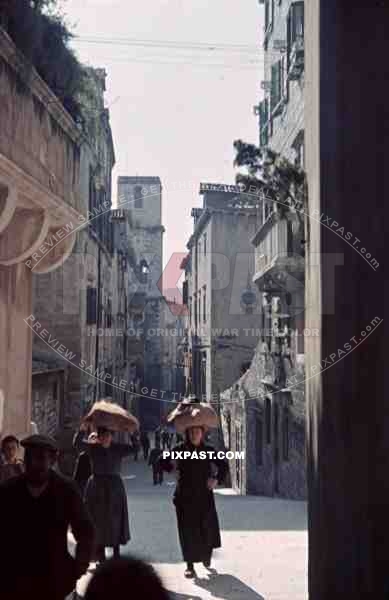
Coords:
40,205
174,324
75,304
49,391
264,411
142,197
127,313
222,302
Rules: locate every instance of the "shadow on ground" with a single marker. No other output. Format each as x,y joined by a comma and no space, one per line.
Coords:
153,519
176,596
227,587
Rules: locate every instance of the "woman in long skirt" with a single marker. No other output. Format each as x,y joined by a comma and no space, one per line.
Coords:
105,495
197,520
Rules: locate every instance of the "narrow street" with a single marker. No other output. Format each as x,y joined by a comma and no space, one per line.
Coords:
264,543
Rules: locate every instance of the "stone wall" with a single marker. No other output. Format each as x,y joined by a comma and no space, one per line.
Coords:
275,461
47,401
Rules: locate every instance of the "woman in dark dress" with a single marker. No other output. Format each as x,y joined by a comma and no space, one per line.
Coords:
105,495
197,520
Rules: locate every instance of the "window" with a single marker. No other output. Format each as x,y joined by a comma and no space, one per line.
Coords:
199,307
185,293
195,309
109,314
204,304
264,123
205,244
276,87
55,391
91,306
144,271
259,441
190,309
299,148
295,29
269,15
138,197
285,433
268,420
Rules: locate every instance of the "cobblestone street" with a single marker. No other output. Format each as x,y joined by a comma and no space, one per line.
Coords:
264,543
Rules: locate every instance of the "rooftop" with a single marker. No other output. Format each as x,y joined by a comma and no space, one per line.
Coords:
139,179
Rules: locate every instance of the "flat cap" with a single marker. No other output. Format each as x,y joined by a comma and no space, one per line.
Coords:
40,441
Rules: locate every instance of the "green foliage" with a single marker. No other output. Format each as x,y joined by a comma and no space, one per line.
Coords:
39,31
271,174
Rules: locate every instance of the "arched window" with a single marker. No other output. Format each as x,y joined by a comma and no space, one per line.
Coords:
144,271
268,420
138,197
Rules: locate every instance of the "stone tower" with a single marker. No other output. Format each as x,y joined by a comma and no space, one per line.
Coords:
142,198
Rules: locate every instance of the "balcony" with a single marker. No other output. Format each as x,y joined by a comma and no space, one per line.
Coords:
296,64
277,262
39,167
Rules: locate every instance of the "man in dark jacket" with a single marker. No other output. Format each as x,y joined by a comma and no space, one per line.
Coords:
154,462
144,438
36,511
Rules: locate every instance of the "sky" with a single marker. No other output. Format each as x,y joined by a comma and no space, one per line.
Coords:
175,111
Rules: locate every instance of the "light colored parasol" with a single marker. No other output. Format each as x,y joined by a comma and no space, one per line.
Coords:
112,416
191,413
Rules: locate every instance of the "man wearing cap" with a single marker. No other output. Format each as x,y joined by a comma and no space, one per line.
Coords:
36,510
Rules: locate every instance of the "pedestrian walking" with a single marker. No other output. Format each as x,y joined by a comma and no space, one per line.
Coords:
157,436
165,439
197,475
105,495
144,438
126,577
136,445
11,465
36,510
156,465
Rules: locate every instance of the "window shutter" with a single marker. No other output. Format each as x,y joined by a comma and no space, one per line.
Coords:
288,39
269,121
276,85
261,123
91,306
273,91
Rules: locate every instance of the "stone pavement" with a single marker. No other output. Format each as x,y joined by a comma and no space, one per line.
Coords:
264,543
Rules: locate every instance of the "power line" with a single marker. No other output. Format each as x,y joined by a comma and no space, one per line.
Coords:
243,66
175,45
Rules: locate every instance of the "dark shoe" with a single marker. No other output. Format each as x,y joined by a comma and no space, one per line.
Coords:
190,572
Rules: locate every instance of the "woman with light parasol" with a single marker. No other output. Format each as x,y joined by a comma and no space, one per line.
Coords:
105,495
197,520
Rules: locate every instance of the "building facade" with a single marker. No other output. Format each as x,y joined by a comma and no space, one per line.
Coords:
75,304
264,411
174,328
40,204
142,198
222,302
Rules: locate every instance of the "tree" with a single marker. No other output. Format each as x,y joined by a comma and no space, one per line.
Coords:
39,31
272,176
